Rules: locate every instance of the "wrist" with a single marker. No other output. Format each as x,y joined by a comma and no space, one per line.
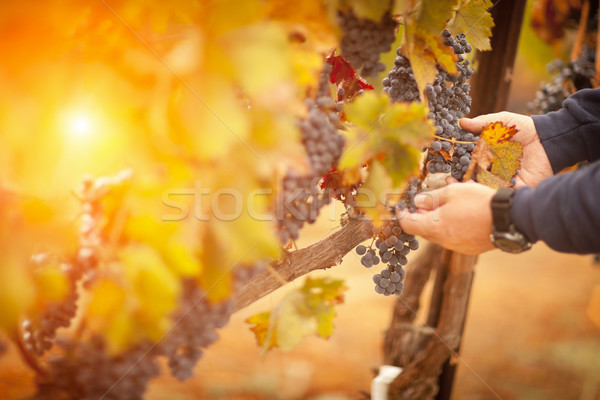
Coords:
505,235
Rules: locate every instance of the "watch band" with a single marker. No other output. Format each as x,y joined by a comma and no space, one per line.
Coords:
501,203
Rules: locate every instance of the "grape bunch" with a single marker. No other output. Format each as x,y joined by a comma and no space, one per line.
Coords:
569,78
86,370
391,248
39,330
300,202
364,40
194,328
448,100
400,84
300,197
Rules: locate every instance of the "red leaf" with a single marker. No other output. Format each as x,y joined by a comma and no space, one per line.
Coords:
344,76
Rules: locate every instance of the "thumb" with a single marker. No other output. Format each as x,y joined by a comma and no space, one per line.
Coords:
418,223
476,125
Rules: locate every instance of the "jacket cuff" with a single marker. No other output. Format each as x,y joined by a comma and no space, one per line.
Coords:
521,213
566,148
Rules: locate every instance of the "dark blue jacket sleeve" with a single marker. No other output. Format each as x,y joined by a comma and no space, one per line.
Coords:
563,211
572,134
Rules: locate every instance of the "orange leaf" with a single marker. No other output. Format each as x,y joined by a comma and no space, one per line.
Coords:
495,153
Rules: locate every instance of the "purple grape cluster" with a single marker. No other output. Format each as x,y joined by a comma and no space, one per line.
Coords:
39,330
400,84
392,247
569,77
194,328
364,40
448,99
86,370
300,198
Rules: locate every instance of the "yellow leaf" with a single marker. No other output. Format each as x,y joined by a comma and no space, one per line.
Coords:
371,195
434,14
444,55
51,284
293,321
37,211
474,20
357,151
366,111
367,9
422,60
407,124
305,311
490,180
182,261
403,7
16,294
107,298
154,285
261,329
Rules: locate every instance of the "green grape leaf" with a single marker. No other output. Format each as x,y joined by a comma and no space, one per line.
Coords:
387,138
495,153
305,311
474,20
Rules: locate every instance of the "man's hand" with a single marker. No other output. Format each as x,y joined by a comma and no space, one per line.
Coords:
457,216
535,166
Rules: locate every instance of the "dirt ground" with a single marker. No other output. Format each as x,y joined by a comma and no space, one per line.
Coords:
527,337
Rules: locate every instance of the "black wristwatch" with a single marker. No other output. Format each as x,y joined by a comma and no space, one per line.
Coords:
504,234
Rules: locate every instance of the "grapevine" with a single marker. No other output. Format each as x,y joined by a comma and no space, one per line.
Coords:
136,268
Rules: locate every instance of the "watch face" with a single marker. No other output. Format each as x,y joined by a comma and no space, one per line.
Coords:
508,245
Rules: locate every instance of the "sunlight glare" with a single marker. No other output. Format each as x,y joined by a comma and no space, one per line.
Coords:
80,126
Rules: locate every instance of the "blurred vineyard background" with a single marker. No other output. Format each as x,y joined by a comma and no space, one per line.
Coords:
527,334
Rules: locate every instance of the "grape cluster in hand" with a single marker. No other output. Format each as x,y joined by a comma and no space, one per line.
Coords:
364,40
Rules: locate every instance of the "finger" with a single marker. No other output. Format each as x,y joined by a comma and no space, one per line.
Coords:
476,125
432,199
419,223
450,180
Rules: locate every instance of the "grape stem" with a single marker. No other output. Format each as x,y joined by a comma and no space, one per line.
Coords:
452,140
29,358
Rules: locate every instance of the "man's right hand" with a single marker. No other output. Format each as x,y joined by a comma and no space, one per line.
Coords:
535,166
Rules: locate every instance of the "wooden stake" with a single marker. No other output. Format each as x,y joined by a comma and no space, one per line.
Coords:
581,31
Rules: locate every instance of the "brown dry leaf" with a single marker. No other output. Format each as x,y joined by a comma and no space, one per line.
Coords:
494,149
